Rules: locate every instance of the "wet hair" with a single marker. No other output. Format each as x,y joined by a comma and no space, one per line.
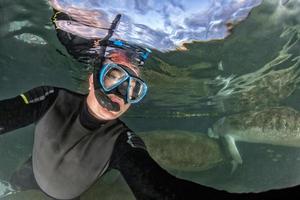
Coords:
120,55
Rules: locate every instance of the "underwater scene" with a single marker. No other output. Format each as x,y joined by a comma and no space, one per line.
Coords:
222,107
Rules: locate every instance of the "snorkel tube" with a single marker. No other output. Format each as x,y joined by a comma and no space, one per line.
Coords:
101,97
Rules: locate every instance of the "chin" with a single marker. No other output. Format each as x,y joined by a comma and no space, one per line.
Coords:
109,115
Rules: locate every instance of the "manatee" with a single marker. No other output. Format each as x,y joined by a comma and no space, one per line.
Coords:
183,151
274,125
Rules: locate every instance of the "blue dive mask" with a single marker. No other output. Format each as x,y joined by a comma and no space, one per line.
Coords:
122,81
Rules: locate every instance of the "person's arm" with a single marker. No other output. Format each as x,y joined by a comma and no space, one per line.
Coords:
148,180
82,49
25,108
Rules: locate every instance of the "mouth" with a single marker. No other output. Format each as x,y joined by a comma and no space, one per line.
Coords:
116,100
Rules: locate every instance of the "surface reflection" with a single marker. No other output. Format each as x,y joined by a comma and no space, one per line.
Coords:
158,25
267,86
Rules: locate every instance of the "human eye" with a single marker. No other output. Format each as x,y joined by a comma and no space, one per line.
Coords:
114,75
111,76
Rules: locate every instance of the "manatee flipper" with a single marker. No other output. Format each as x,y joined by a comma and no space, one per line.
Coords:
212,134
234,152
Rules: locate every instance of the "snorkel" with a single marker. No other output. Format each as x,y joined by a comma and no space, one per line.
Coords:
101,97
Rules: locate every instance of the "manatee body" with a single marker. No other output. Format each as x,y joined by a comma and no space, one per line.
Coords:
183,151
275,125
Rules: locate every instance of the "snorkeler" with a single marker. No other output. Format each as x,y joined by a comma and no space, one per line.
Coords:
79,137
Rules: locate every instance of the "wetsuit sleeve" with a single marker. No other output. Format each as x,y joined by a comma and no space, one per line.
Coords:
148,180
25,108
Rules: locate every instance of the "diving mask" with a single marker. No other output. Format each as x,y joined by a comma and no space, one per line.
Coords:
122,81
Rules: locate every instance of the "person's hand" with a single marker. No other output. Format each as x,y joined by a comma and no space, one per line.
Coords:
96,43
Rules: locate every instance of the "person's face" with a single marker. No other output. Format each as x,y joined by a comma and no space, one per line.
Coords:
100,111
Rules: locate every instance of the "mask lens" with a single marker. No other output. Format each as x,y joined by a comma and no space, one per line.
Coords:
112,77
136,90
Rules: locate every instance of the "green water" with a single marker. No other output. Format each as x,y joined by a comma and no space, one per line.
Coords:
179,84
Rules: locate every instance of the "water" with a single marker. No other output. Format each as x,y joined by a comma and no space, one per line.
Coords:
189,91
159,25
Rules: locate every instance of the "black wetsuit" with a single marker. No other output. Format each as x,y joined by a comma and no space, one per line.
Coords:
128,154
80,155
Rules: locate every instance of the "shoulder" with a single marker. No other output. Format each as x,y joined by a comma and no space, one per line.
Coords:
130,138
135,141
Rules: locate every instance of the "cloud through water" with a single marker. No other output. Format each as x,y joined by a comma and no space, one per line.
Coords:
161,25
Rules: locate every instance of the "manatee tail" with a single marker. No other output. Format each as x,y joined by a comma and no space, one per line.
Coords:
234,152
